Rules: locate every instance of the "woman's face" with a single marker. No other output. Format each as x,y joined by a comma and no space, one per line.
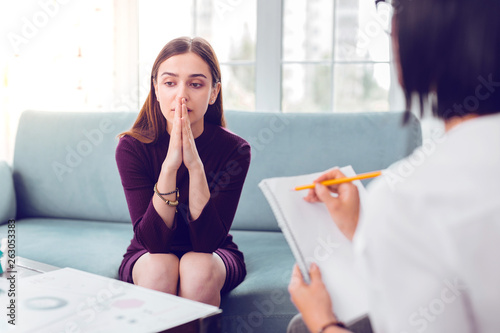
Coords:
185,76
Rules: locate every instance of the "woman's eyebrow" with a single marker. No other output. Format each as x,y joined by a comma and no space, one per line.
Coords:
177,75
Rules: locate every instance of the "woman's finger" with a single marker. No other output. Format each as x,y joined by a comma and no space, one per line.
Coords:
315,273
178,107
311,196
296,280
330,174
184,111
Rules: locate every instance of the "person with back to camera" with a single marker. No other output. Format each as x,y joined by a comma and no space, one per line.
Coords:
183,173
428,242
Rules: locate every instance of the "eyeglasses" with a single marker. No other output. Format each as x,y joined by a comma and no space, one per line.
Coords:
391,2
385,10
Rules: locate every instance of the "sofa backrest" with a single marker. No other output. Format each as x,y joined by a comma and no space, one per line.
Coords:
7,193
64,163
285,144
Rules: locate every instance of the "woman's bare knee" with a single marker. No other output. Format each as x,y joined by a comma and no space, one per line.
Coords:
202,276
159,271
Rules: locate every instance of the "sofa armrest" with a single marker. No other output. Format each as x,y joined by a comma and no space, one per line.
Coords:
7,193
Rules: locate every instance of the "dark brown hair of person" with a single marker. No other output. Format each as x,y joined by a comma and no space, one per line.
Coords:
449,55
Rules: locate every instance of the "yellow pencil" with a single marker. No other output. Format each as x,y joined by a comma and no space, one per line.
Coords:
341,180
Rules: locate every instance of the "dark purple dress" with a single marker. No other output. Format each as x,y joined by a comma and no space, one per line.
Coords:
226,158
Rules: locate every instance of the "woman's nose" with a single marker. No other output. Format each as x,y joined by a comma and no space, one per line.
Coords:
182,92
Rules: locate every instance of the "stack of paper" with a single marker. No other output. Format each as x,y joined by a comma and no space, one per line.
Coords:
314,237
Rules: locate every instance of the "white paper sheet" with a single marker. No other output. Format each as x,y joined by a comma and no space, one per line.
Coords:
314,237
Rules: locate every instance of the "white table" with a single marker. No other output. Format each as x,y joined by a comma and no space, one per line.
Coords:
49,299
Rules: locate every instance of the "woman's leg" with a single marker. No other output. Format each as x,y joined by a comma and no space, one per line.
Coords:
202,276
159,271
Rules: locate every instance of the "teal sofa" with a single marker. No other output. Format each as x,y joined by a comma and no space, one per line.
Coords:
65,193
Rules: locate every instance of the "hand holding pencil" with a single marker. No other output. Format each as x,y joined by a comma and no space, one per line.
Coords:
344,208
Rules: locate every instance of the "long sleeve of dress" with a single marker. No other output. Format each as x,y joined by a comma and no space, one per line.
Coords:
210,229
149,229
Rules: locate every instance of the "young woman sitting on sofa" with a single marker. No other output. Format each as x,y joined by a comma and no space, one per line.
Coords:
182,173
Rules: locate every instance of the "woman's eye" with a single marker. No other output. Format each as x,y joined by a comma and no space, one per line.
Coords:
196,85
169,83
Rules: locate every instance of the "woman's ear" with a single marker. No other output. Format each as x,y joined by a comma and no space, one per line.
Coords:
155,84
214,93
395,52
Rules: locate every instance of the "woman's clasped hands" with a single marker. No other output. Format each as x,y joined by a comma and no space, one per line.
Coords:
182,147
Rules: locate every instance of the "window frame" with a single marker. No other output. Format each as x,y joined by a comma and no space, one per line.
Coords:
269,61
268,58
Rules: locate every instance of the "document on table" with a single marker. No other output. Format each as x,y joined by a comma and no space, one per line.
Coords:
69,300
314,237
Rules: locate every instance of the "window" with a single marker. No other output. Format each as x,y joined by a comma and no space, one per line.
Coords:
335,57
287,55
56,56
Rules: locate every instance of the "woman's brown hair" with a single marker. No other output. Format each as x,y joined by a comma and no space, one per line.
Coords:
150,123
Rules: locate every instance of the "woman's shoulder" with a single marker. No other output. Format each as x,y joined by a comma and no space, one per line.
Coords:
129,145
128,142
225,135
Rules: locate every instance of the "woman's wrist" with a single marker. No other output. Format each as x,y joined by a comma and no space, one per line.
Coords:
324,323
196,167
167,183
332,327
168,170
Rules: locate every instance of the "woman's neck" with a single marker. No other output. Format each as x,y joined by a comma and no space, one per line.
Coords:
453,122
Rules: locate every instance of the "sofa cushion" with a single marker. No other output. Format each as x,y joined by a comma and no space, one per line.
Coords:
91,246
